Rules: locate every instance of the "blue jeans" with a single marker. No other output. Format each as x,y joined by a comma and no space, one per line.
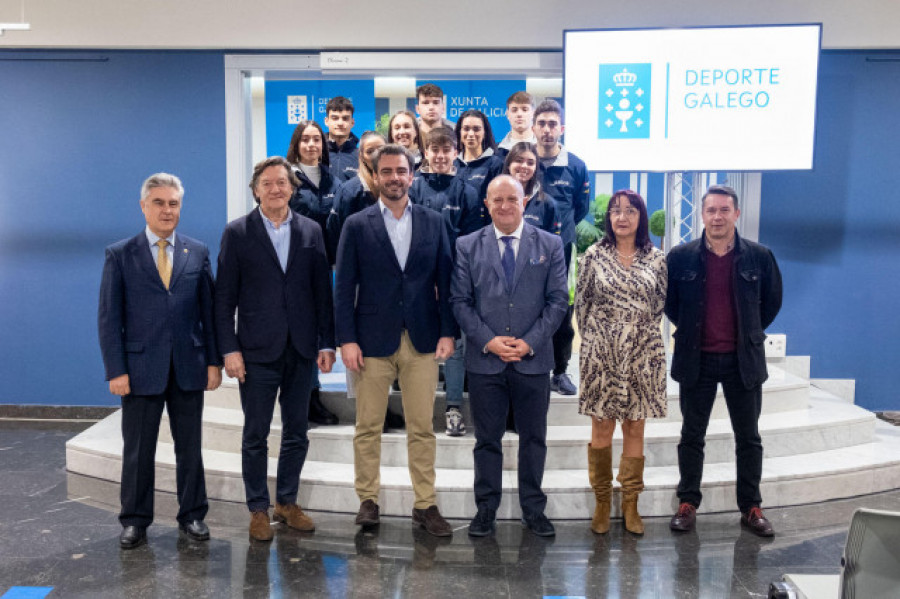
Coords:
455,373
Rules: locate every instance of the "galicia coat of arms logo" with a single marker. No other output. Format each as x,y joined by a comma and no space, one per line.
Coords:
297,109
624,101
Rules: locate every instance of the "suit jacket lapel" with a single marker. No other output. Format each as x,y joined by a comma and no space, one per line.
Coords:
140,249
258,228
179,259
526,243
376,220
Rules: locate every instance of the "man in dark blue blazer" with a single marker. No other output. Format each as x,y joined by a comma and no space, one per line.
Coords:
509,295
159,349
393,320
274,271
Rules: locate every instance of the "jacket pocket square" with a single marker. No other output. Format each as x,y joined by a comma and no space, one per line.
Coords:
535,261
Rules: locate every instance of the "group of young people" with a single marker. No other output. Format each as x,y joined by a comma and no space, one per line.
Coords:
438,247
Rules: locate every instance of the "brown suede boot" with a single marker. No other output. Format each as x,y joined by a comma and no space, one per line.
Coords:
631,477
600,475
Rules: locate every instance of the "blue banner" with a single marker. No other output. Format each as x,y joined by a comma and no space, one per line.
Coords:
488,96
289,102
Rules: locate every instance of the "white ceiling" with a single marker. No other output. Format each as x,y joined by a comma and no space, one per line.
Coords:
404,24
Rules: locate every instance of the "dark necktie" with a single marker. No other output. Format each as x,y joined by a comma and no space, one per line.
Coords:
508,260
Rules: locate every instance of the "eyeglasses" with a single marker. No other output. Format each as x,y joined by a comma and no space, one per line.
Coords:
628,212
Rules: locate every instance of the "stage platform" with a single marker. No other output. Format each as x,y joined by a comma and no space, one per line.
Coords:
818,446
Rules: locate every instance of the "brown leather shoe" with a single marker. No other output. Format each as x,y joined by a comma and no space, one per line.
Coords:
684,519
757,523
368,513
293,516
260,529
431,520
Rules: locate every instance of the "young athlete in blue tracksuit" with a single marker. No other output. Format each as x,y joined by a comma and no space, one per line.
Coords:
540,209
478,163
438,186
564,177
313,197
342,143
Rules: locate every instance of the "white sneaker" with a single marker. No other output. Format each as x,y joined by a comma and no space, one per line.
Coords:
455,425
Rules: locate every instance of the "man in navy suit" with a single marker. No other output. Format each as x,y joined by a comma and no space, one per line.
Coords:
393,320
159,349
273,269
509,295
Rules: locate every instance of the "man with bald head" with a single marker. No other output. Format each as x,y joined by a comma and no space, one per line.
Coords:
509,295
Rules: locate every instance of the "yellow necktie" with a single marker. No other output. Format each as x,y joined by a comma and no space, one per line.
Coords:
162,262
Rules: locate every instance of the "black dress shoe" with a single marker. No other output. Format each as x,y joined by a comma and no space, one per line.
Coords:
368,514
195,529
132,536
539,525
318,413
483,524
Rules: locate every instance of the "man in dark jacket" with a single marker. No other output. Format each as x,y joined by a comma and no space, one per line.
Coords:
394,322
274,271
157,336
723,292
508,302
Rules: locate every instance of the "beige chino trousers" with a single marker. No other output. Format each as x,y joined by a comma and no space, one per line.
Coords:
418,376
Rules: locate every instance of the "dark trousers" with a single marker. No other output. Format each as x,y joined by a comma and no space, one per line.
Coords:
490,398
562,338
141,415
744,406
292,375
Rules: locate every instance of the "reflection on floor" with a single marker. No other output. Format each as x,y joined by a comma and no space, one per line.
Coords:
61,531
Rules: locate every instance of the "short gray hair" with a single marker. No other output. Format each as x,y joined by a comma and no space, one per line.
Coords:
161,180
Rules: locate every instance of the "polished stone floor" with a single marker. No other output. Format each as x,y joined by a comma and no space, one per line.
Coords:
59,530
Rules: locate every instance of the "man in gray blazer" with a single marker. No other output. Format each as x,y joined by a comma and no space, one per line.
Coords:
509,295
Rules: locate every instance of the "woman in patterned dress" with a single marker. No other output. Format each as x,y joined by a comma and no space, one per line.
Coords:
619,302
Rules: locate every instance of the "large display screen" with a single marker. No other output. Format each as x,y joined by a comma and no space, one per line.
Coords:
694,99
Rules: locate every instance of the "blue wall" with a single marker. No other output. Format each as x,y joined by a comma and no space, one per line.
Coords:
836,230
78,137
